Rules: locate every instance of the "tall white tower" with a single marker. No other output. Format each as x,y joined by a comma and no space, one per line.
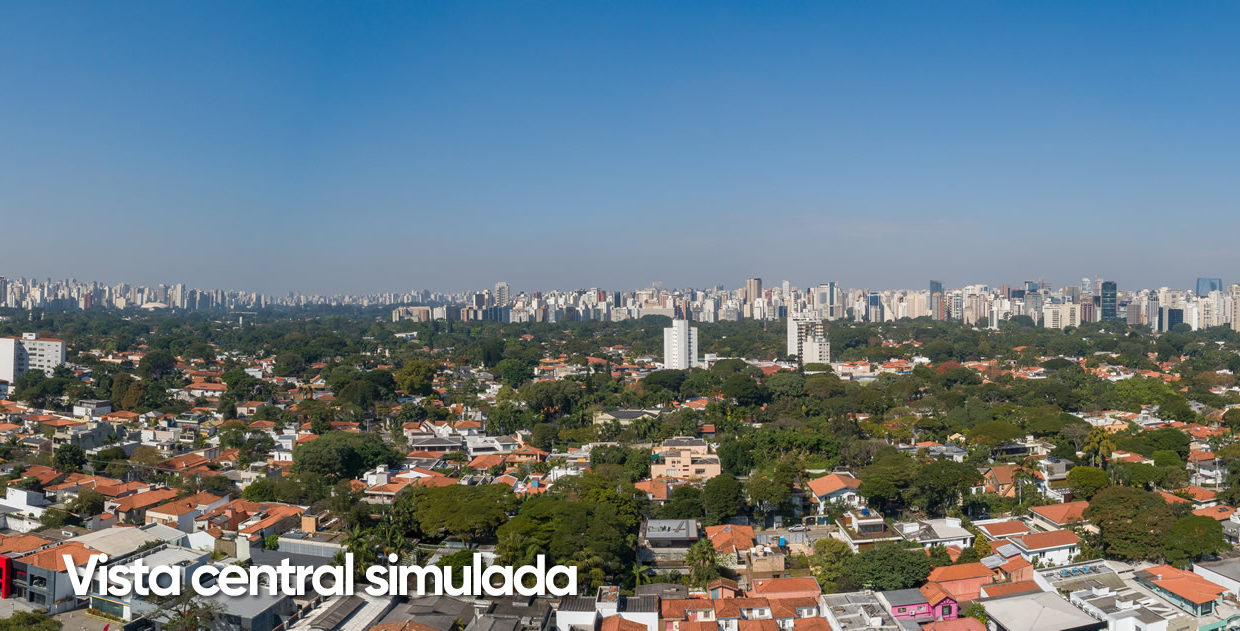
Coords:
680,346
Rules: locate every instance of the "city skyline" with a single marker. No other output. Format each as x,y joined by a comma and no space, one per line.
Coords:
328,149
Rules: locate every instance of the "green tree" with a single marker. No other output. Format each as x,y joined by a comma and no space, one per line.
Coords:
1193,537
69,458
30,621
702,562
722,497
1132,523
87,503
343,455
465,512
156,364
889,566
829,563
416,377
1085,481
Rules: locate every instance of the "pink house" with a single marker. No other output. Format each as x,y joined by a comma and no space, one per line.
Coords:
927,604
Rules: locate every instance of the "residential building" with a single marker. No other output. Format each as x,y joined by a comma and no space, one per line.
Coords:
19,355
1053,547
680,346
684,457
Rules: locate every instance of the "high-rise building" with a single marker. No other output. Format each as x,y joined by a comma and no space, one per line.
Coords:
1061,315
501,295
802,328
816,350
1207,285
1233,306
938,310
1109,305
1153,313
19,355
873,307
680,346
1171,317
753,290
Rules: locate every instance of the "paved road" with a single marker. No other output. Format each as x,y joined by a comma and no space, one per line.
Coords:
77,620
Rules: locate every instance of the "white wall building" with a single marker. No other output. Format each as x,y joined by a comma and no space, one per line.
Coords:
1061,316
802,329
680,346
29,352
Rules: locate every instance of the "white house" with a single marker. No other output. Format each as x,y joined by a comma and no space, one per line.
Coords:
1053,547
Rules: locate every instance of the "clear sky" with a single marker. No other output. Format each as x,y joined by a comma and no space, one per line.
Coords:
359,146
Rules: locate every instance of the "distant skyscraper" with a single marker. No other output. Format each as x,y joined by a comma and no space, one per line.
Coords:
1109,301
1207,285
753,290
937,309
1172,317
680,345
501,293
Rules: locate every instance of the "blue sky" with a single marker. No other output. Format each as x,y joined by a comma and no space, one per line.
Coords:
330,146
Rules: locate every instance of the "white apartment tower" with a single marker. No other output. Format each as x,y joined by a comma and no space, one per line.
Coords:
19,355
680,346
807,339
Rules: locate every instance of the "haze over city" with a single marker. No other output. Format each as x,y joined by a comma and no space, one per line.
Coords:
278,147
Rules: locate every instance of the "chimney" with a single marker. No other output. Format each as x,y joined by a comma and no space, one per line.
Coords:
309,524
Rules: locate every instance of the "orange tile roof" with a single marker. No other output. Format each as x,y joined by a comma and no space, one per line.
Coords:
144,499
616,623
21,544
1003,589
815,623
934,593
1172,498
771,587
1186,585
1048,539
730,538
1062,513
1220,512
1003,528
959,572
831,483
52,558
1198,494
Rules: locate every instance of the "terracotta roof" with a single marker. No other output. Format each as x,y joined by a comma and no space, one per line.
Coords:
1048,539
772,587
934,593
816,623
1220,512
730,538
52,558
1062,513
1003,589
831,483
1186,585
616,623
144,499
1172,498
1004,528
21,544
1198,494
959,572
